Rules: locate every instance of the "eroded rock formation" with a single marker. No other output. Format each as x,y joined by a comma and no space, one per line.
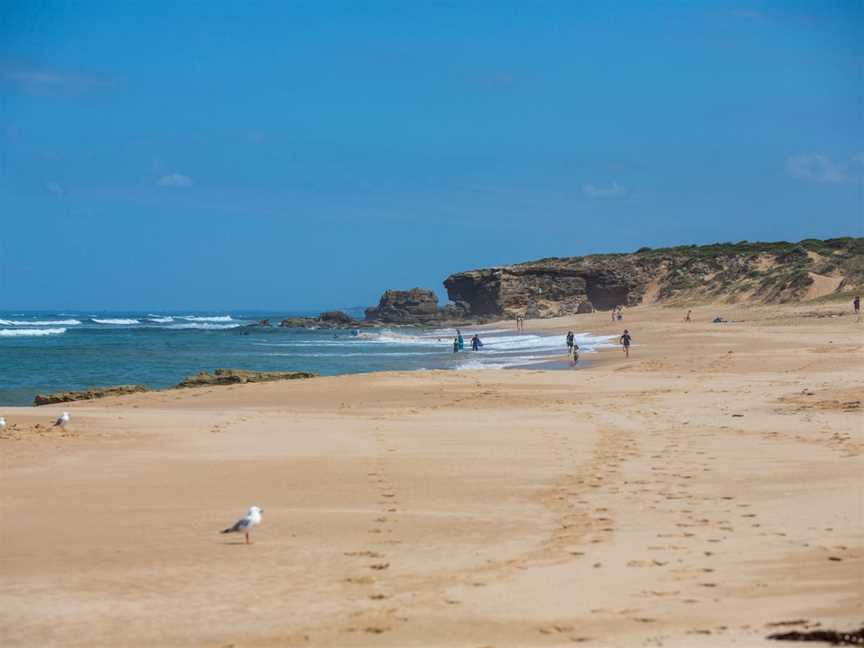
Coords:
761,272
415,306
87,394
240,376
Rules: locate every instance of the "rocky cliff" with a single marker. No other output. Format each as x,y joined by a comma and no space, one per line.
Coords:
415,306
765,272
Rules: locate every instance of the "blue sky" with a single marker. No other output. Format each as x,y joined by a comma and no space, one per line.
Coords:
313,154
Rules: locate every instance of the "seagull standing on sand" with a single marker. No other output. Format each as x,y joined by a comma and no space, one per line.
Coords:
63,420
245,524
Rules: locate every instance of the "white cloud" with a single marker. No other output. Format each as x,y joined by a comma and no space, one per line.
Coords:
55,188
818,167
612,191
175,180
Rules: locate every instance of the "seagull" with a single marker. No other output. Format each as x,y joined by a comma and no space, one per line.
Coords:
2,422
245,524
63,420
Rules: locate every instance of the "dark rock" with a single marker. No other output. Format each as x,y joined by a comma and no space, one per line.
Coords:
300,322
240,376
335,317
87,394
833,637
416,306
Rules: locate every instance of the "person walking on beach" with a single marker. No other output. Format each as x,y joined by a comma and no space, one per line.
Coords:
614,312
856,304
625,340
687,316
569,342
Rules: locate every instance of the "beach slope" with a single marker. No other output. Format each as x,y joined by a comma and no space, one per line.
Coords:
705,492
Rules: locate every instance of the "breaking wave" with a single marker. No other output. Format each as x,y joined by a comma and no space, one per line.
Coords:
31,332
114,321
67,322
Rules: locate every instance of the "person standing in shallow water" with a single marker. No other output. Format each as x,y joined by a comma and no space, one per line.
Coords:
625,340
569,342
460,340
455,345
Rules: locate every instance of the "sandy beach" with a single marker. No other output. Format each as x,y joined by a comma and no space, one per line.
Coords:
706,492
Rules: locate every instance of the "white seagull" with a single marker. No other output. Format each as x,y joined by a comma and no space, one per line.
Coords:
245,524
2,422
63,420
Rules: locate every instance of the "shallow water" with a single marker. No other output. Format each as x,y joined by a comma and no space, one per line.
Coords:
50,351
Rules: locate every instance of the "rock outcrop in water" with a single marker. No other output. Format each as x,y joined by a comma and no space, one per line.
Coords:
415,306
762,272
87,394
239,377
334,319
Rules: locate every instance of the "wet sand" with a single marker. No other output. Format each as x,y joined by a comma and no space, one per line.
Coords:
705,492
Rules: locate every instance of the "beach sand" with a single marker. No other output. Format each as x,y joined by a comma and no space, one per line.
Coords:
706,492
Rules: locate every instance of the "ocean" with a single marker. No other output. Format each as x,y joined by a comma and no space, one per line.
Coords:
43,352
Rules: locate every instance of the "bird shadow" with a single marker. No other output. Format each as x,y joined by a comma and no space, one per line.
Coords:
236,542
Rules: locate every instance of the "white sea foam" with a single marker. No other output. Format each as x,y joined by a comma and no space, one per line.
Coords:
31,332
211,318
118,321
67,322
209,326
159,319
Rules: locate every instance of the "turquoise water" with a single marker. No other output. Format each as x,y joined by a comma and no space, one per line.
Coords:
43,352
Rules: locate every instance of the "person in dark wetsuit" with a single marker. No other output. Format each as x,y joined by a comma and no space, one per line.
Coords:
569,342
476,343
455,345
625,340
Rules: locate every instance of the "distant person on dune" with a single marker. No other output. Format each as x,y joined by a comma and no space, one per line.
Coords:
856,304
625,340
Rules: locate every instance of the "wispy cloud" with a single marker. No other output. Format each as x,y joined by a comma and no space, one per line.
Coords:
55,188
818,167
175,180
612,191
43,81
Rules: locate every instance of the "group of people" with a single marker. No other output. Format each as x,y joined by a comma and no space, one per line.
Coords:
617,313
459,342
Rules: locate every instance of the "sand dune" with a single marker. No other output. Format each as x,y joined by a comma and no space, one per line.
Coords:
707,491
